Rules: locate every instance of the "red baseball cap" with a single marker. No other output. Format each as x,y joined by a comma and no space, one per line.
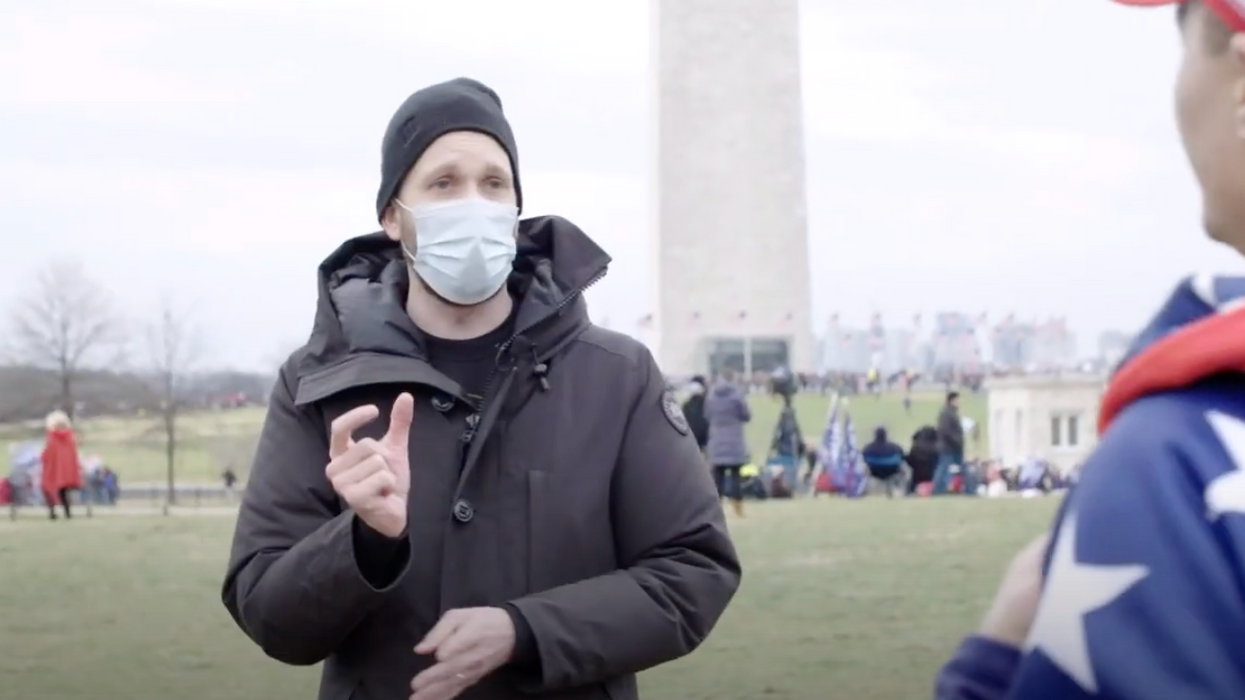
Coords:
1231,12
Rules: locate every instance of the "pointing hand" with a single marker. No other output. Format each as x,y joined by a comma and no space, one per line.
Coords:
373,476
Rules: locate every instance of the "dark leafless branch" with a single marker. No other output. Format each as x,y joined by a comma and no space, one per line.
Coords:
67,324
173,343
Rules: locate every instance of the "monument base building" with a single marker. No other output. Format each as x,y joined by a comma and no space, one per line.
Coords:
1054,418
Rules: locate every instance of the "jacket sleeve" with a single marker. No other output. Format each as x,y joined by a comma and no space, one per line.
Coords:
981,669
678,567
745,413
294,584
1143,596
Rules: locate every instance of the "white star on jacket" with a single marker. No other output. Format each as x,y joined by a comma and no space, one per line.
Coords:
1073,590
1226,493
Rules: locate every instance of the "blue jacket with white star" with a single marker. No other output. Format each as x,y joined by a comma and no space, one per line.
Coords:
1144,597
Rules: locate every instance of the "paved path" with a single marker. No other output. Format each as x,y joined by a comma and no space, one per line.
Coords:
121,511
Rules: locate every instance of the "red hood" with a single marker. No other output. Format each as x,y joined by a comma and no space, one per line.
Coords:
1200,332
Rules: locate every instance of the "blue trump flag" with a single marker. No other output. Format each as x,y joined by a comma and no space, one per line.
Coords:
855,483
831,441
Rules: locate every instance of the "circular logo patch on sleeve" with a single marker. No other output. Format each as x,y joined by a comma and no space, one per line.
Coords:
674,412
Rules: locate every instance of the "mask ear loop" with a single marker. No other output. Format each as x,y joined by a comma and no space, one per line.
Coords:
406,252
410,257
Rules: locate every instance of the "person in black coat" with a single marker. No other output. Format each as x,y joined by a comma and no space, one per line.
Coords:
694,412
922,457
787,448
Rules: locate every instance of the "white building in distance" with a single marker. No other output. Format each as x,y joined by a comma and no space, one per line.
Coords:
731,248
1054,418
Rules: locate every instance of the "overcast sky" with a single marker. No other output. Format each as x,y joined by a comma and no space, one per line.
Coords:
985,156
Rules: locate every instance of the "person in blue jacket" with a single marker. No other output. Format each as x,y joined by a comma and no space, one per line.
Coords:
1143,593
885,461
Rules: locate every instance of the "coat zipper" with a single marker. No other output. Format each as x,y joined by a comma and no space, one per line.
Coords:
482,419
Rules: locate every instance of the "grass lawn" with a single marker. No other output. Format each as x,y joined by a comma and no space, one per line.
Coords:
844,599
210,441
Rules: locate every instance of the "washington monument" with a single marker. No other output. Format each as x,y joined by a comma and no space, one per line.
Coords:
732,268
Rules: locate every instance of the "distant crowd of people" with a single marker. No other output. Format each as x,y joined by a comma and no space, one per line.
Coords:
717,412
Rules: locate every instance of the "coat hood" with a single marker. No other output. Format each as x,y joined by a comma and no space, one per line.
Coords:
362,334
60,437
1198,333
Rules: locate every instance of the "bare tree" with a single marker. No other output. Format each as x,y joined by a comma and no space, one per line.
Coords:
174,346
65,325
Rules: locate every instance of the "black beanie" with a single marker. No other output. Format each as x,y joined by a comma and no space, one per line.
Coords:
461,104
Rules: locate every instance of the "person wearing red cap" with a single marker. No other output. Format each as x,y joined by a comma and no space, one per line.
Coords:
1141,593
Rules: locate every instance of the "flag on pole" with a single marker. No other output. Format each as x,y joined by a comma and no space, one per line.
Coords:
828,448
836,452
854,482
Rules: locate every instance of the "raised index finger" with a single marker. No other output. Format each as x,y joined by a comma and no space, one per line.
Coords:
343,427
400,421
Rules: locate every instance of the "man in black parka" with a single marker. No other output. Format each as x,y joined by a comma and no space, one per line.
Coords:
463,487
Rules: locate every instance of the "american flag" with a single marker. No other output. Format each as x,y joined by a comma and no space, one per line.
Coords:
854,482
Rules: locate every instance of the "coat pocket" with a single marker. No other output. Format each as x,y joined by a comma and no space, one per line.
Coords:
351,691
620,688
539,531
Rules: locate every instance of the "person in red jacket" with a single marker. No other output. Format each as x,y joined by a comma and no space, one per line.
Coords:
62,472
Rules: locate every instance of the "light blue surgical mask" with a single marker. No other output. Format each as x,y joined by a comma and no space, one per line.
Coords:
464,249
